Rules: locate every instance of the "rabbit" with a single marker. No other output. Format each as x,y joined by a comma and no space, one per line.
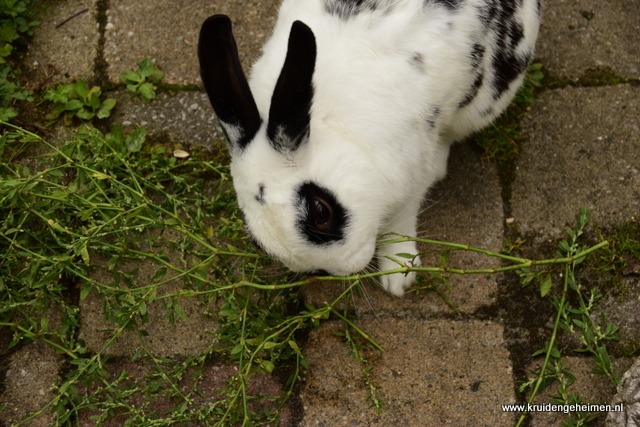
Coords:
348,116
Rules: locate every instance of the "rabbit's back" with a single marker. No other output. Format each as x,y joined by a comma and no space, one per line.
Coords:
453,64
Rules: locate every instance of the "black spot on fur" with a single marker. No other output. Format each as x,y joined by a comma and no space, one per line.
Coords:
260,196
477,53
499,16
346,9
322,218
417,60
475,88
431,121
449,4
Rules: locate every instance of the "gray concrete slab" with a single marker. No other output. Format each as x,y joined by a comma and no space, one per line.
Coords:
465,207
211,379
62,49
628,395
182,117
621,308
592,388
167,32
582,151
577,35
31,373
190,335
433,372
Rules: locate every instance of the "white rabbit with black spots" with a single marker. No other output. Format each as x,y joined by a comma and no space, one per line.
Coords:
348,116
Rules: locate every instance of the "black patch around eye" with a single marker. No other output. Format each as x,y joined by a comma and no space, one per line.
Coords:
323,219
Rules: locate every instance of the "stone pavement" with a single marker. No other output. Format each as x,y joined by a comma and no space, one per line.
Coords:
583,149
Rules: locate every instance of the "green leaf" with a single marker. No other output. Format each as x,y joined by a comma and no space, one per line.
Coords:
564,246
156,76
44,323
7,114
539,352
146,90
145,68
293,345
142,308
160,273
55,96
128,77
267,365
579,324
84,114
84,252
84,290
545,285
94,100
180,312
74,104
116,136
135,139
105,108
82,90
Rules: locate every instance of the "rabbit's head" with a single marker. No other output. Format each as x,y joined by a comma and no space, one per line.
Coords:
310,193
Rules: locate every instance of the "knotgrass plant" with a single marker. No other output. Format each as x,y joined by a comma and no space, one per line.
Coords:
100,201
579,322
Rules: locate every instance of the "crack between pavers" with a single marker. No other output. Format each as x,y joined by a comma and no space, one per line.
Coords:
101,66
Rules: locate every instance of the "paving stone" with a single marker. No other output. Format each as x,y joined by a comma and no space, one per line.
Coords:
213,378
432,373
31,373
576,35
582,151
190,335
185,117
167,32
622,309
628,394
465,208
62,50
592,388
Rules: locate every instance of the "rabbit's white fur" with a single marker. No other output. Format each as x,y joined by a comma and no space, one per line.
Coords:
389,84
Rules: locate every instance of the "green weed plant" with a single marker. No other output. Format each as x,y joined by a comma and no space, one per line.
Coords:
78,100
17,20
578,321
143,82
109,197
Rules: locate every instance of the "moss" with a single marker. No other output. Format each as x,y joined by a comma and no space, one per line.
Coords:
501,143
622,257
600,75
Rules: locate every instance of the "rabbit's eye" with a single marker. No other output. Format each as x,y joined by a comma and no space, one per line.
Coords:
322,219
321,213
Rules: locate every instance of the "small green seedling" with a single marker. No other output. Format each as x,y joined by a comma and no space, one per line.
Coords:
77,100
142,82
532,80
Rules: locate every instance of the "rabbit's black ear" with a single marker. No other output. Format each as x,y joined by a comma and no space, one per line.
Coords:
225,82
289,114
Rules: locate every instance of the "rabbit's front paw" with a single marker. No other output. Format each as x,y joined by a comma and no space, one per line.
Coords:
397,283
